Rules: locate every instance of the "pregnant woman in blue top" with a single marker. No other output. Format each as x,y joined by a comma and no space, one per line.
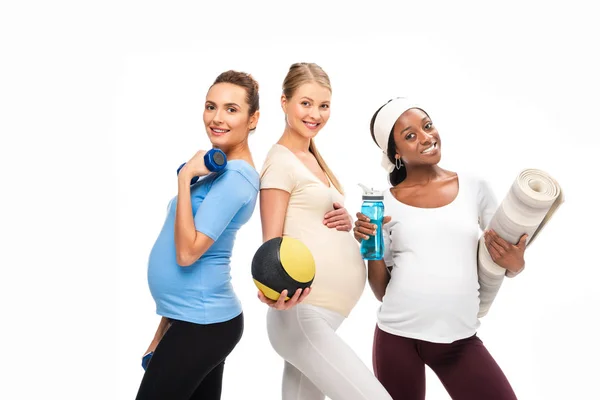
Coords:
189,265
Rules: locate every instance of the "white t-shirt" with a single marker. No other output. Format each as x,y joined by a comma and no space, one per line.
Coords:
433,293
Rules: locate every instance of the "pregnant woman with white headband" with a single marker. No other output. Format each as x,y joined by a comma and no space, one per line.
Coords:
430,300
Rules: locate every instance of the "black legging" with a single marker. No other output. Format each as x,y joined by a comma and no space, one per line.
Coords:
189,360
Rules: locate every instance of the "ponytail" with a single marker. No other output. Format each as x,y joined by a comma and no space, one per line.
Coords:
313,149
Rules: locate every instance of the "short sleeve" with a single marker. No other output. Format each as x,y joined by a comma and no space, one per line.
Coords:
277,174
228,194
487,204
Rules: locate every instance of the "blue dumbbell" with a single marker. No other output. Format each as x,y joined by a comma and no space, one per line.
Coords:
146,360
214,159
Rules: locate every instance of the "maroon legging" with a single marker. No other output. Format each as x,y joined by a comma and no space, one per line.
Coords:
465,367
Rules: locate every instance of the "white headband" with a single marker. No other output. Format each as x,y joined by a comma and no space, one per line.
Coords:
384,123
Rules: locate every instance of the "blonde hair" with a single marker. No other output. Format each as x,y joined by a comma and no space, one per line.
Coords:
299,74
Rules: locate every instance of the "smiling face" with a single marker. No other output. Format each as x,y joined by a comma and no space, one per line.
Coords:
307,110
417,140
226,115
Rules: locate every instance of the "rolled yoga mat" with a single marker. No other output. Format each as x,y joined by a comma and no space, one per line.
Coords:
530,203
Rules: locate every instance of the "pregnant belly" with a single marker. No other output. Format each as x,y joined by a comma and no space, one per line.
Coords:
340,269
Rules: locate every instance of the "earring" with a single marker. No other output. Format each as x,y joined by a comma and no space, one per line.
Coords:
399,163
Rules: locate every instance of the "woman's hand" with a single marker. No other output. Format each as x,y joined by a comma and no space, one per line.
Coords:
363,229
281,303
194,167
505,254
338,218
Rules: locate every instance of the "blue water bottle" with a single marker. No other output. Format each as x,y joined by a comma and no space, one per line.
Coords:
214,159
372,207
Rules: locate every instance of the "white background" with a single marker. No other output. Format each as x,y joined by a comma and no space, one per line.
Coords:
99,104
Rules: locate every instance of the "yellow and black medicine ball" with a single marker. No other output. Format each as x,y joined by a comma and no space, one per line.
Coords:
282,263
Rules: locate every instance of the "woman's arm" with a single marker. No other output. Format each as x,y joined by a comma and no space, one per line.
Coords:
190,244
160,332
379,277
273,207
196,232
163,325
507,255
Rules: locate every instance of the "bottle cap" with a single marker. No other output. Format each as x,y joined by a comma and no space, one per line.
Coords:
370,194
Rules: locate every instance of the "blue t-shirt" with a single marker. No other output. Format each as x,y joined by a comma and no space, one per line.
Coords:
202,293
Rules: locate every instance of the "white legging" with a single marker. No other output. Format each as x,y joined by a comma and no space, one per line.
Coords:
317,361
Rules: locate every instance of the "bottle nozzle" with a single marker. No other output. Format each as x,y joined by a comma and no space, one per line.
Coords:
370,193
365,189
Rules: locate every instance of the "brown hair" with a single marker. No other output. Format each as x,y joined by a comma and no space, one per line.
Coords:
245,81
299,74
